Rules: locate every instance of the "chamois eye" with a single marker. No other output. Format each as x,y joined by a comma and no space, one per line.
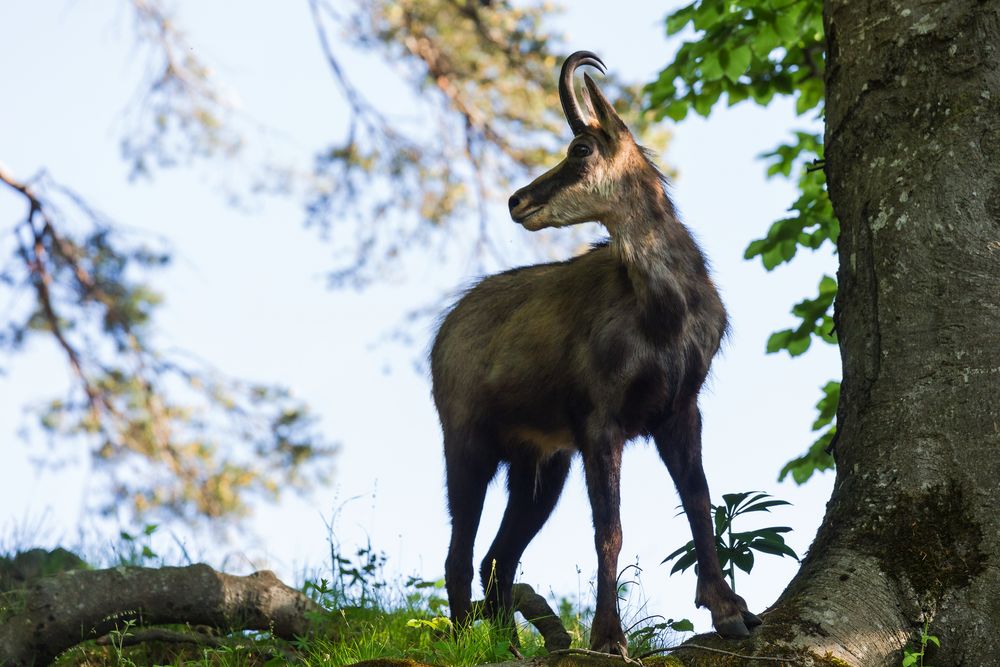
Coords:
580,150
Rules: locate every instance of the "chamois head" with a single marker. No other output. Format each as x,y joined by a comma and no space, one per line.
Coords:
603,166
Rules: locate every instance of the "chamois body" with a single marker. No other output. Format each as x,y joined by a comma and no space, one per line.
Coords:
530,355
535,364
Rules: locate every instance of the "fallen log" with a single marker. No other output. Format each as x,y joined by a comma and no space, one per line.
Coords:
55,613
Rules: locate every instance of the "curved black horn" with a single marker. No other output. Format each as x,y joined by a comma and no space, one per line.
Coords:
571,108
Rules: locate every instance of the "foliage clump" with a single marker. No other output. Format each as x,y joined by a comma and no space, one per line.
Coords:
759,50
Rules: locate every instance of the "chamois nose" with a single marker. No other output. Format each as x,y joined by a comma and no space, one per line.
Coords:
513,202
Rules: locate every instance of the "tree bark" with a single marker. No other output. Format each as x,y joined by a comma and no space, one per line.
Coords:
63,610
912,531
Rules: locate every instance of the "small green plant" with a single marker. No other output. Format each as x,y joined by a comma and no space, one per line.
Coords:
736,549
576,617
651,636
360,579
137,550
646,633
117,639
915,658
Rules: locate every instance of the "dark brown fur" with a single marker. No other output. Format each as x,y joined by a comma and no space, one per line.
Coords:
540,362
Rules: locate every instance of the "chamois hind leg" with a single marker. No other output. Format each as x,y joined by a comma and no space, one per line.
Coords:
533,487
470,464
678,440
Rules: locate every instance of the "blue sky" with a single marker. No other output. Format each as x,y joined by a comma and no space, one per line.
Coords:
247,293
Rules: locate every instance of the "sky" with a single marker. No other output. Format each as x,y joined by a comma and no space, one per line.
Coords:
248,293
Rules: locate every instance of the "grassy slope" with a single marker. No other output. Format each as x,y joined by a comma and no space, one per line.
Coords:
371,618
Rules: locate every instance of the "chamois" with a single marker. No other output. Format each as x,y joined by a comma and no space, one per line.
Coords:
536,363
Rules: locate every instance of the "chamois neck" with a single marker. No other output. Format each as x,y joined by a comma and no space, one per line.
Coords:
648,239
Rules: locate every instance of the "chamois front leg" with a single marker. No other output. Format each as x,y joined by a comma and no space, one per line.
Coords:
678,441
602,458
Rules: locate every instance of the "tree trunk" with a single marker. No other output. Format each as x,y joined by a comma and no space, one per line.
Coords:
912,532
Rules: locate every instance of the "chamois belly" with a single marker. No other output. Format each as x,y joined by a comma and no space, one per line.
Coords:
542,396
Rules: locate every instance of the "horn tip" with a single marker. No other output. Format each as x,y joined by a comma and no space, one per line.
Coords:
579,58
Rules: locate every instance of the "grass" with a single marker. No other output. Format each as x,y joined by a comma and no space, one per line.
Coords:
369,616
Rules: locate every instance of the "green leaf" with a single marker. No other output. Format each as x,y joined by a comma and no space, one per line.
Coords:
721,521
707,16
784,25
734,499
684,562
736,94
680,18
711,67
774,548
910,659
702,106
798,345
743,560
827,405
810,96
765,41
816,458
769,534
738,62
765,505
682,625
779,340
686,548
744,504
677,110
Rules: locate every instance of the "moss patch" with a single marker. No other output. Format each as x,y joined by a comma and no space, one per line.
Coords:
758,653
932,540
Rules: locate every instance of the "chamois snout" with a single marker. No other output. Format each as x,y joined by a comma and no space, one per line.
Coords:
522,207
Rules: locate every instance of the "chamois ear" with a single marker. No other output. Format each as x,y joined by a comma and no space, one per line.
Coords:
601,109
589,106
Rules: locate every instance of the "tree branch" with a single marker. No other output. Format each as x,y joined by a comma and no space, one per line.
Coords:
40,277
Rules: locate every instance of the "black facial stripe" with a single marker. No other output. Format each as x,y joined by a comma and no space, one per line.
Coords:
572,171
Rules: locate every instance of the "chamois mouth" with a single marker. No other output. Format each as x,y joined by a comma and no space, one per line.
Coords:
527,214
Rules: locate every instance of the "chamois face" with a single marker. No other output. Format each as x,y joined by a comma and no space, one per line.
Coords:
590,182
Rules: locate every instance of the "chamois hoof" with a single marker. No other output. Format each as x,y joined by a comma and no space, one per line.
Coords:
612,647
733,627
751,620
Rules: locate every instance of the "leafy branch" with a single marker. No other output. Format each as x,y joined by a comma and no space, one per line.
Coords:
173,435
758,50
181,111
